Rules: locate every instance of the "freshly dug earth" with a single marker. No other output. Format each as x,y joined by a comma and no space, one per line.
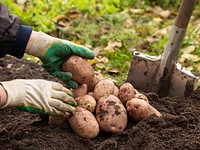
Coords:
178,128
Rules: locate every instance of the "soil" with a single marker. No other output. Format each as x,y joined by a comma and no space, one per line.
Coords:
177,129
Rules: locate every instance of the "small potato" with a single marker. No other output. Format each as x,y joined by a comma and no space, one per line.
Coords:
87,102
97,77
126,92
84,123
139,109
80,68
104,87
111,114
80,90
116,91
57,121
141,96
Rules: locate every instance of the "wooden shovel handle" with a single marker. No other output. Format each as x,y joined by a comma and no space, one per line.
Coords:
184,13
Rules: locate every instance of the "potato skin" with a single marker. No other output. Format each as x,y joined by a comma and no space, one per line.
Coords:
84,123
80,90
126,92
86,101
141,96
104,87
116,91
80,68
111,114
139,109
97,77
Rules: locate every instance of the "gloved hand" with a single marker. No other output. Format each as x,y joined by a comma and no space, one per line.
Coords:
39,96
53,52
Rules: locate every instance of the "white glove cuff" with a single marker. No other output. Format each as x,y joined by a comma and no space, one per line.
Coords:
41,43
15,93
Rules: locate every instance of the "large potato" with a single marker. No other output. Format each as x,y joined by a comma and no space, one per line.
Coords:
80,68
111,114
139,109
84,123
141,96
104,87
97,77
80,90
116,91
86,101
126,92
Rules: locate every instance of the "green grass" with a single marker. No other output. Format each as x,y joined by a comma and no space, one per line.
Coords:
102,21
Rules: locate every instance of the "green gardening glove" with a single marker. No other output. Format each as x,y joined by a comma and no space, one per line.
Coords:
53,52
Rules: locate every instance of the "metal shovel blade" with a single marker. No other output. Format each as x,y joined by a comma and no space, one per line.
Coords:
143,71
163,74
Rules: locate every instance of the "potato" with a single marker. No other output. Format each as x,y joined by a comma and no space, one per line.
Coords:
84,123
111,114
139,109
141,96
80,90
80,68
126,92
104,87
87,102
57,121
116,91
97,77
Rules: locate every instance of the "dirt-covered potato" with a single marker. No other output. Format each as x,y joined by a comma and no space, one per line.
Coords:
116,91
97,77
139,109
126,92
84,123
80,90
80,68
86,101
104,87
141,96
111,114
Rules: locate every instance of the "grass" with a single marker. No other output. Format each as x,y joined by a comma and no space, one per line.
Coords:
133,24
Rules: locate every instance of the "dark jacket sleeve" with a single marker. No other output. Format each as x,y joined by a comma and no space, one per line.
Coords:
13,36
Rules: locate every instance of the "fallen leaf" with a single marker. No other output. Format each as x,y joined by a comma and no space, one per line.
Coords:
113,44
189,57
97,50
165,14
128,23
136,11
188,50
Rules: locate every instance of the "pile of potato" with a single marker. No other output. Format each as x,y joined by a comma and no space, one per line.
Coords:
101,104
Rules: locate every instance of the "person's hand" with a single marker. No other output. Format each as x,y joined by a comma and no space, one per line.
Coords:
53,52
39,96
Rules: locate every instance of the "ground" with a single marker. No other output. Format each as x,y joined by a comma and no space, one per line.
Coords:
178,128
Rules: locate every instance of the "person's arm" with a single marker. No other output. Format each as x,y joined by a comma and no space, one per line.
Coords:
13,35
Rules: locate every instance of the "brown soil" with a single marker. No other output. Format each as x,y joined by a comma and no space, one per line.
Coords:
177,129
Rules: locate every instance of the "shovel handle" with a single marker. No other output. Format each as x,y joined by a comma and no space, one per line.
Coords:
184,14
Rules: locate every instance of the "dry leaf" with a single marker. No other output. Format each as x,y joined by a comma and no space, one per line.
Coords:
157,10
97,50
165,13
136,11
189,57
112,45
128,23
157,19
189,49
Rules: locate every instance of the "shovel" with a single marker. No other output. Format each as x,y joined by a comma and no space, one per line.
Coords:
163,74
